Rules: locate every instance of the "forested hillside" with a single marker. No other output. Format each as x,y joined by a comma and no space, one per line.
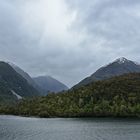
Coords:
118,96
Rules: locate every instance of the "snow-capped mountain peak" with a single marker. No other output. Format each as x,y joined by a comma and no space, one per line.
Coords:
118,67
121,60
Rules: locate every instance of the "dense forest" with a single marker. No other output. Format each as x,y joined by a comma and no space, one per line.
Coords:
115,97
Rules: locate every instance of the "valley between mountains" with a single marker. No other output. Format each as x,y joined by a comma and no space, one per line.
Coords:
112,91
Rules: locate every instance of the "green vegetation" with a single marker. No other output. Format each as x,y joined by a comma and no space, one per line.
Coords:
117,97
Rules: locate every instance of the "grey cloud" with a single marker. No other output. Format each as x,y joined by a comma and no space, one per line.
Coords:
70,39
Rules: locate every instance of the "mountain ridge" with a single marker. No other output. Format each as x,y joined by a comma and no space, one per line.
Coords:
39,83
50,84
26,76
13,86
118,67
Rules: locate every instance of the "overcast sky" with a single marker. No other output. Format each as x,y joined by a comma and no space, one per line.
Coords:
68,39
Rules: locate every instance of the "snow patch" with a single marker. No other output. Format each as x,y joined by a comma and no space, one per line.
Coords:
18,96
121,60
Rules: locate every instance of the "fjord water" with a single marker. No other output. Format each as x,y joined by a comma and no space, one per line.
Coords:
21,128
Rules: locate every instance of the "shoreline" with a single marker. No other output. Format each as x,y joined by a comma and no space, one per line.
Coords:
87,117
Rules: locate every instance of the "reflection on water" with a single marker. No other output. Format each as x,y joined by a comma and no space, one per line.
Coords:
20,128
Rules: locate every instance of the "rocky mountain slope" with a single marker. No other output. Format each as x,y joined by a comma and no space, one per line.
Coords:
13,86
116,68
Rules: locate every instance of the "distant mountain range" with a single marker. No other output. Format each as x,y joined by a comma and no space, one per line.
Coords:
118,67
13,86
43,84
113,90
49,84
16,84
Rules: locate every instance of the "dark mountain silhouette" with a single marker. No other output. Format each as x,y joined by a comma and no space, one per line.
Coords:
13,86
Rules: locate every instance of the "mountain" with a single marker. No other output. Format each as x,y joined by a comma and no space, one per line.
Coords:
43,84
116,68
13,86
49,84
26,76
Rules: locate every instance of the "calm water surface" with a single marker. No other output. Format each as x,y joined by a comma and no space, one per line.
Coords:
20,128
